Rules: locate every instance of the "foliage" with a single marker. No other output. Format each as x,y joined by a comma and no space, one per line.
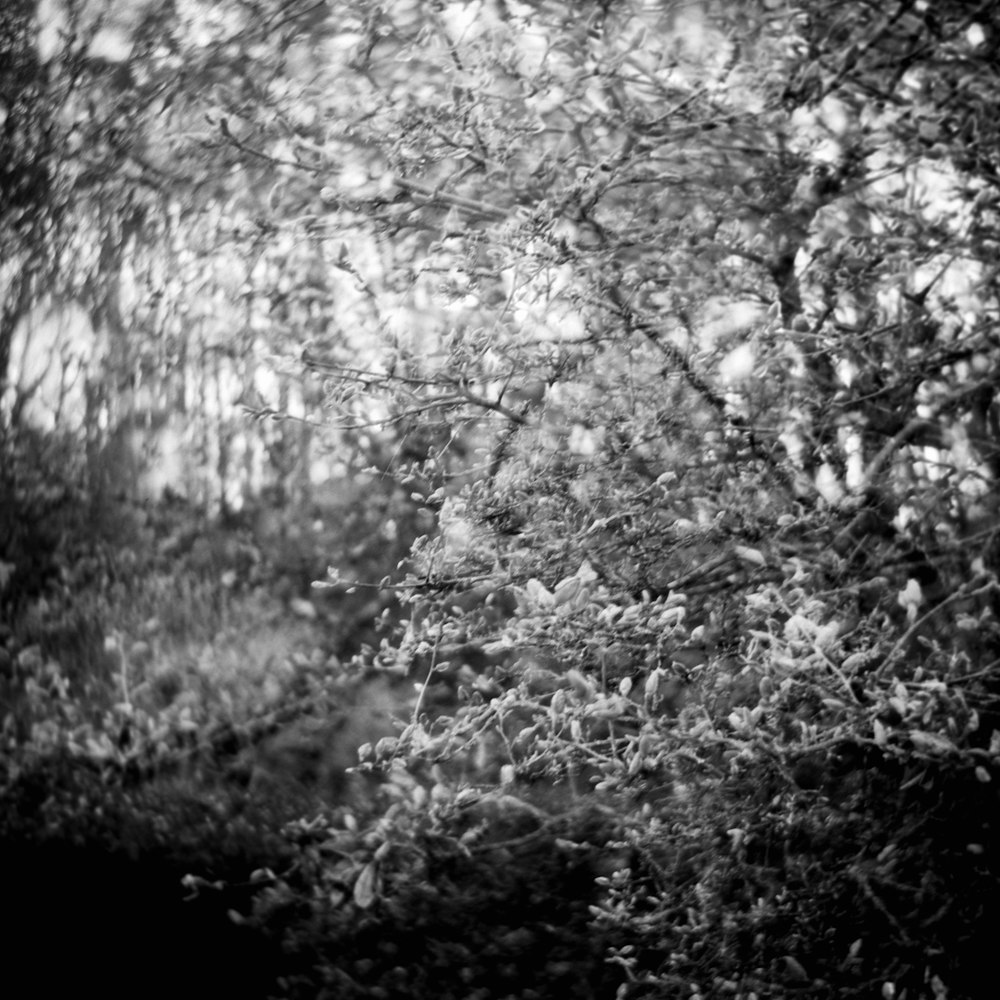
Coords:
713,300
415,912
668,331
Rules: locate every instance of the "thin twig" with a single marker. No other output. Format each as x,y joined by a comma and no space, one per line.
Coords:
960,595
433,195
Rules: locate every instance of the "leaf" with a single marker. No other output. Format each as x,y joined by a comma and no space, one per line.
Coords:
753,556
567,590
608,707
673,616
539,595
98,749
881,736
608,614
557,706
582,686
899,706
737,365
801,628
910,599
302,608
931,742
652,685
365,886
827,635
854,662
630,615
795,970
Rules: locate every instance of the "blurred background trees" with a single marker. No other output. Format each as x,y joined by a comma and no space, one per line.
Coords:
751,242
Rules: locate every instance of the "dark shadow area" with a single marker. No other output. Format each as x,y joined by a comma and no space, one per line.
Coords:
85,923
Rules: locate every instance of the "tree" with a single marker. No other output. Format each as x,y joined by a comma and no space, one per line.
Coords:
730,225
707,288
680,321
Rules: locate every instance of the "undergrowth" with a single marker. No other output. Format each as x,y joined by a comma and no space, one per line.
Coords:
542,785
